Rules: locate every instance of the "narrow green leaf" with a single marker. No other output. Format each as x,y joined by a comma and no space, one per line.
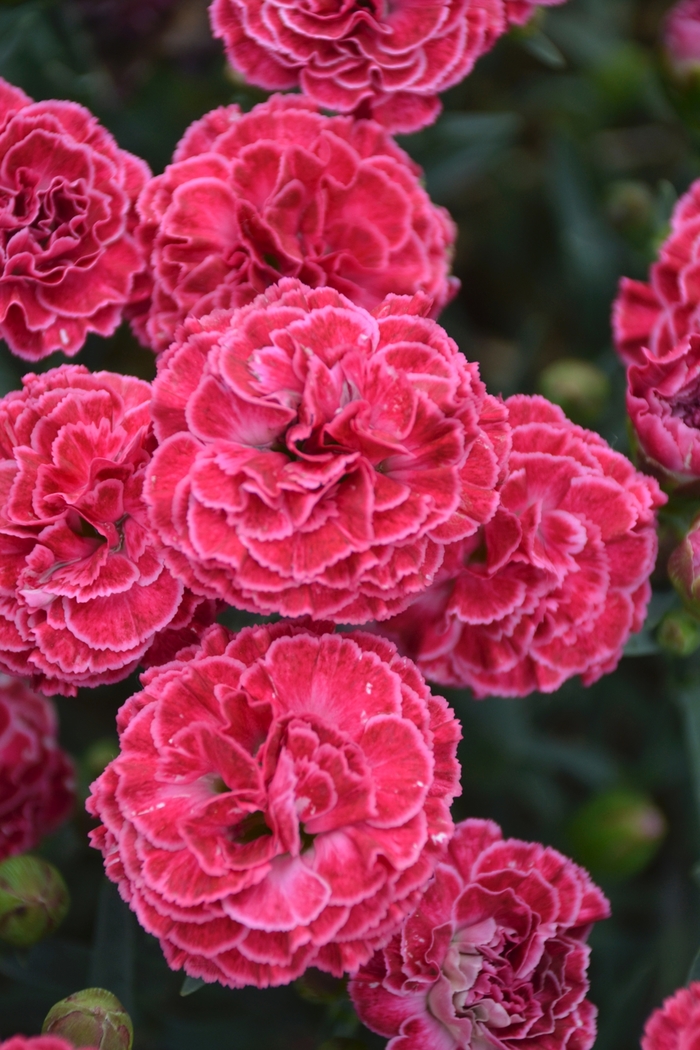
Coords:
191,985
112,963
694,972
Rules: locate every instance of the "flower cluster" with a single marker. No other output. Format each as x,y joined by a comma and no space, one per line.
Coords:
69,260
36,776
284,191
495,956
676,1024
280,798
84,587
387,60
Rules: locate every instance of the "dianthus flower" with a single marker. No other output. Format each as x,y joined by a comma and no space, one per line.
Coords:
658,315
316,458
388,60
84,590
284,191
682,35
663,401
36,776
493,956
38,1042
676,1024
69,261
555,584
280,799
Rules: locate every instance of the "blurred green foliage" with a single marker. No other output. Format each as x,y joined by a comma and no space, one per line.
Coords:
560,158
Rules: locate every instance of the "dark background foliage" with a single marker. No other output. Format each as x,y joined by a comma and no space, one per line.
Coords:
560,158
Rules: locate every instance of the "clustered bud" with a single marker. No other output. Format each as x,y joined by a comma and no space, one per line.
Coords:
33,900
91,1018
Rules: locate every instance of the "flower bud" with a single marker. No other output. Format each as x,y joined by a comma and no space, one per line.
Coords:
617,833
684,569
578,387
33,900
93,1017
679,633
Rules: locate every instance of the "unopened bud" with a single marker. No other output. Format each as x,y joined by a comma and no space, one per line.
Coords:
93,1017
684,569
34,900
617,833
679,633
580,388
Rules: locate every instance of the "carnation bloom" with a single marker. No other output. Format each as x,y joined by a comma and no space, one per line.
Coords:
84,590
286,191
658,315
676,1024
555,584
663,401
390,60
316,458
494,956
38,1042
69,261
280,798
36,776
682,35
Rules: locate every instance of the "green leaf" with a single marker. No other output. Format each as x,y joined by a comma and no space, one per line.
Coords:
112,963
191,985
694,971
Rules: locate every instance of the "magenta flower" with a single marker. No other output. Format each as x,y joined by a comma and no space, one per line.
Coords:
36,775
682,35
280,798
284,191
84,589
493,956
676,1024
556,582
316,458
69,261
387,60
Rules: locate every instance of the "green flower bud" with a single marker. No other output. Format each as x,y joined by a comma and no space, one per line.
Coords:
684,569
93,1017
617,833
580,388
34,900
679,633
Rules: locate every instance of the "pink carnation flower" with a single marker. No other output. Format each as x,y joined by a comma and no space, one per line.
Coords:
555,584
390,60
84,590
658,315
494,956
286,191
69,261
36,776
682,35
281,797
38,1042
663,400
316,458
676,1024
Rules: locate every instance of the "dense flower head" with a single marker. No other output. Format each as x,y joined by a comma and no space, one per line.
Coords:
280,798
657,315
663,401
36,776
37,1042
317,458
676,1024
69,261
494,956
84,589
390,60
556,582
284,191
682,35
